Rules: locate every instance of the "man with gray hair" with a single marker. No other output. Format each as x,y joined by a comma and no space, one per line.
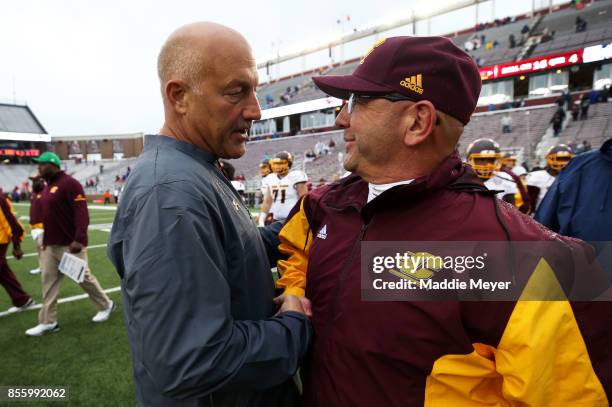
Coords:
196,284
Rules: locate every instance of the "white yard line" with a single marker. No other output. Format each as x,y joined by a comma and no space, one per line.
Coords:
101,226
95,220
71,299
60,301
103,207
96,246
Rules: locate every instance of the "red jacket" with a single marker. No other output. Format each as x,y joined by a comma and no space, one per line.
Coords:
36,210
434,353
64,215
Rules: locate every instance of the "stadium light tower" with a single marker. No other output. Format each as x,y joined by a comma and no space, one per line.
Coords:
425,11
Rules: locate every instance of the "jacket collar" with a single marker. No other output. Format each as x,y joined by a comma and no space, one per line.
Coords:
153,141
55,177
451,174
606,150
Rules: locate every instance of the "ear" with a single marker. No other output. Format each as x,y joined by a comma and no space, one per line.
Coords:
422,121
176,95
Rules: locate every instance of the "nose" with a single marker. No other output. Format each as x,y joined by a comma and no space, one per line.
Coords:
343,120
252,110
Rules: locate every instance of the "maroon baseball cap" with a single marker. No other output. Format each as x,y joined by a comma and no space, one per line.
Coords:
422,68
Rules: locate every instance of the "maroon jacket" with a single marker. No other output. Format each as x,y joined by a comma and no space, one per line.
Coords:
36,209
65,216
403,353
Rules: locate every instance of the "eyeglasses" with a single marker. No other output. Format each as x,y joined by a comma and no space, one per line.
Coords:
392,97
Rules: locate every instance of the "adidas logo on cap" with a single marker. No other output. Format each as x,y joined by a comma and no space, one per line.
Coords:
414,83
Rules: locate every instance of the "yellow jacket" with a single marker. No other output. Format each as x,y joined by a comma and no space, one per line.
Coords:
9,224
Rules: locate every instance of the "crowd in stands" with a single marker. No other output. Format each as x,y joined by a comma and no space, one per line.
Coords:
495,23
284,98
581,24
320,149
579,108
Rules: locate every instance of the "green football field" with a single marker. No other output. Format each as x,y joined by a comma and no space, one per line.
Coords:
93,360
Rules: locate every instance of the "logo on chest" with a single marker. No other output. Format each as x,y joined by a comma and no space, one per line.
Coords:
322,233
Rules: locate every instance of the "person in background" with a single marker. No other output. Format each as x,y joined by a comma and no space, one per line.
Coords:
557,121
284,187
579,201
575,109
36,222
506,122
15,196
539,181
11,231
567,99
584,107
586,146
593,96
230,173
65,218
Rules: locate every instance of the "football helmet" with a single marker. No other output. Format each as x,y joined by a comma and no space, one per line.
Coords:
264,168
281,163
484,156
558,157
509,161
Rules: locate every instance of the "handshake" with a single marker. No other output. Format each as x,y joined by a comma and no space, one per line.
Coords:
287,302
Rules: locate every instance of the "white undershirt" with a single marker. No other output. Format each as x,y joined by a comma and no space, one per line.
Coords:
377,189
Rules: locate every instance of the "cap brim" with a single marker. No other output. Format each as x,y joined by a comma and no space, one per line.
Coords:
341,86
39,161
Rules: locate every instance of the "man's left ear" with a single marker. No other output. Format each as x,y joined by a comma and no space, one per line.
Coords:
422,121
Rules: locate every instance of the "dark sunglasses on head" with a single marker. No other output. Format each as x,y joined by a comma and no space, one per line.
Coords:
392,97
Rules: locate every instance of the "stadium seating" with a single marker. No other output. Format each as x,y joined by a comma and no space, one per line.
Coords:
14,175
596,129
597,15
248,165
276,90
112,168
502,52
528,127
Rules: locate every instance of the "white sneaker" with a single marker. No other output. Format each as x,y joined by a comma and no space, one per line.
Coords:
30,303
42,329
104,315
35,271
